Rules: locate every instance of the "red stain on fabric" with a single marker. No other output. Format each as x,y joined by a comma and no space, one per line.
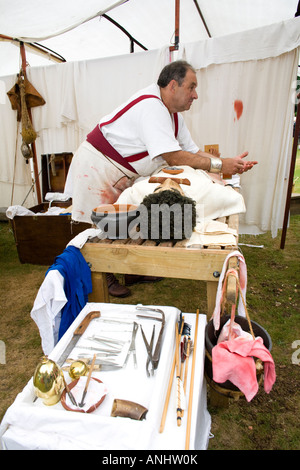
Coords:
96,169
109,195
238,108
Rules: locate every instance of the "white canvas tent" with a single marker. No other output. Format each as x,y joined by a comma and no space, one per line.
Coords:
251,56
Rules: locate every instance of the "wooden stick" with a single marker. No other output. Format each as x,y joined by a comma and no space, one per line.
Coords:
165,410
188,351
166,405
81,404
184,365
189,418
177,360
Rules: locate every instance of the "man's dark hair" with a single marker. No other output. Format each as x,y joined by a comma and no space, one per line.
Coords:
160,217
174,71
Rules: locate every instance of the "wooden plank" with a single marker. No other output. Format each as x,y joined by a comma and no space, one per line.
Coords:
184,263
149,243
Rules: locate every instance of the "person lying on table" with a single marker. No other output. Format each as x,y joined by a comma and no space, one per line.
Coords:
201,196
137,138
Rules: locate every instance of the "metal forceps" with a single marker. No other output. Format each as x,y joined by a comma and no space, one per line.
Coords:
153,357
132,345
149,348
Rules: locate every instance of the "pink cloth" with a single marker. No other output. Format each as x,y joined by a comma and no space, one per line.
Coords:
243,284
233,360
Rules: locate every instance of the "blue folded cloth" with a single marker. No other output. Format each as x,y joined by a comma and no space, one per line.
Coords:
78,284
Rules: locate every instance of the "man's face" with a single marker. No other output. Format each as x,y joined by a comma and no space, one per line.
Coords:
185,94
169,184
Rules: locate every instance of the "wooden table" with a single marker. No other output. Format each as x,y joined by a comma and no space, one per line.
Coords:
146,257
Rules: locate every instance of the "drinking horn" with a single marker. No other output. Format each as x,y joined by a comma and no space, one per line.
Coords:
128,409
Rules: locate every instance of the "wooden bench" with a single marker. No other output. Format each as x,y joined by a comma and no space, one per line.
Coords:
174,260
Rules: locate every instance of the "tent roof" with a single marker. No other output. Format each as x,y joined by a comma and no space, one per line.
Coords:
76,30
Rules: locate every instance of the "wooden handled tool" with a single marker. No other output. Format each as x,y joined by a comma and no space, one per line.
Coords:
81,404
76,336
166,405
71,396
189,419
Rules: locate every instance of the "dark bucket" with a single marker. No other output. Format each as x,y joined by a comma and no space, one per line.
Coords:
115,220
211,336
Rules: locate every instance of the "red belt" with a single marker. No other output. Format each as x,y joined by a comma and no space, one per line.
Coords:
97,139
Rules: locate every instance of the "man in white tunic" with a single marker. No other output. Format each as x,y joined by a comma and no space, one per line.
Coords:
142,135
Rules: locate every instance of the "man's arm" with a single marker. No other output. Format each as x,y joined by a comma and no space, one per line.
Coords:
202,161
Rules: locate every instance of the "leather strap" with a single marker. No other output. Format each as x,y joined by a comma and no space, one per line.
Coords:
97,139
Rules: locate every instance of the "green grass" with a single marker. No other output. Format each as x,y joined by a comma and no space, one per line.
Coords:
296,188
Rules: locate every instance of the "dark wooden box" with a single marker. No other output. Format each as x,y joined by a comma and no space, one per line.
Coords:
39,239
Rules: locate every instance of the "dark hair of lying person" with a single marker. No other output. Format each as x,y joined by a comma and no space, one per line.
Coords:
170,199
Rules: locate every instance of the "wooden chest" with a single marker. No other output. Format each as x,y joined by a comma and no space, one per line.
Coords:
39,239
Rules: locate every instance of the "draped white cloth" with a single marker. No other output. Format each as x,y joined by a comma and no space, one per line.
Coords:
256,68
29,424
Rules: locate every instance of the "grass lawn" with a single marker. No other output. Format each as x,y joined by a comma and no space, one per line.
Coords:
296,188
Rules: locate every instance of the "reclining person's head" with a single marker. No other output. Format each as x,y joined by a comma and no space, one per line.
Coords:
167,214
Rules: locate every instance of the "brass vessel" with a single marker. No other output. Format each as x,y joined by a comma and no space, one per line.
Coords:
48,381
77,369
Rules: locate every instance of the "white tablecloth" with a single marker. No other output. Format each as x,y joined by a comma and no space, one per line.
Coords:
30,424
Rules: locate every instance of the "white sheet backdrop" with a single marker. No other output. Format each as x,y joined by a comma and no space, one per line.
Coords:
257,67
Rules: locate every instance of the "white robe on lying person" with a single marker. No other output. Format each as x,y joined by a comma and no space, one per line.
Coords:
213,199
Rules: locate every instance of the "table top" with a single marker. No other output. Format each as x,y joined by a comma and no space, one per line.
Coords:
30,424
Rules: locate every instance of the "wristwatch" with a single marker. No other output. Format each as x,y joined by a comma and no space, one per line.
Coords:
215,165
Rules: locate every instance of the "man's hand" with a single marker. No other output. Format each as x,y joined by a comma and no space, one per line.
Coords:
232,166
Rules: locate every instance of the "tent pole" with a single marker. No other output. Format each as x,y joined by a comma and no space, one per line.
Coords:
177,19
202,18
291,177
35,165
